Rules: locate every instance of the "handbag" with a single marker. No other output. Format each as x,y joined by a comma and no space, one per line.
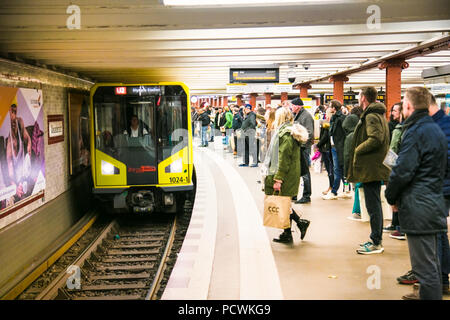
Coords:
277,210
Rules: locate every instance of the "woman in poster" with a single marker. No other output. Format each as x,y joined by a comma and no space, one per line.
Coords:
19,161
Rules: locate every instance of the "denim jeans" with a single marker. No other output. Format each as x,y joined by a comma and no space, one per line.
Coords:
337,168
307,177
328,161
204,138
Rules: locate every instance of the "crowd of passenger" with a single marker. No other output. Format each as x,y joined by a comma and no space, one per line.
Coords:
409,156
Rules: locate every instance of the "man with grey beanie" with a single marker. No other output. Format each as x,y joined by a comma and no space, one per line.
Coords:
304,118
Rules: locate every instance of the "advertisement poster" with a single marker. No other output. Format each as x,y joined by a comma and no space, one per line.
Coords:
22,157
79,132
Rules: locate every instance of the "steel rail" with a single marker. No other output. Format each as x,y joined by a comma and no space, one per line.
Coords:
51,291
157,279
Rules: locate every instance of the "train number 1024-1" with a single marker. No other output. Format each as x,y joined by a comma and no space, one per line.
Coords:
177,180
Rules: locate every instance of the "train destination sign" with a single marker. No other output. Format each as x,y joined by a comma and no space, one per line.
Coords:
254,75
138,91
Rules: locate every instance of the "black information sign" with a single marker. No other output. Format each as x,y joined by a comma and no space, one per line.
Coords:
255,75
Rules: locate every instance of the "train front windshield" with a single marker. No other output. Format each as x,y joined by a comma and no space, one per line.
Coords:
140,126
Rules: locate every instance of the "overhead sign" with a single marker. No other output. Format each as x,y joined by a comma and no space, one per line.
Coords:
254,75
244,88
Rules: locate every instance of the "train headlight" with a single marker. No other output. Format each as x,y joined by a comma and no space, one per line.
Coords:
176,166
108,169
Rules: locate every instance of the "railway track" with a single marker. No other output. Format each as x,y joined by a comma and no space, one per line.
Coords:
127,259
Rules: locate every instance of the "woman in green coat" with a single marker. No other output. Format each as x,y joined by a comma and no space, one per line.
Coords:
282,165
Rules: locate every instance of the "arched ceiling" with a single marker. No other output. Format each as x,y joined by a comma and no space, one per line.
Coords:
142,40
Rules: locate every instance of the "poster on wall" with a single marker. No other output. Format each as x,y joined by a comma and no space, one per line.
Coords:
79,137
22,158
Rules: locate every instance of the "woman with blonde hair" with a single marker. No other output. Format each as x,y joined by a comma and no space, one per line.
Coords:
282,165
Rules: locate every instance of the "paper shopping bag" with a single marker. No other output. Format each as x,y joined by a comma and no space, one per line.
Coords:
277,210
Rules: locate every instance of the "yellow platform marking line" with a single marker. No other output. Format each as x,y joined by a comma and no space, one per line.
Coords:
20,287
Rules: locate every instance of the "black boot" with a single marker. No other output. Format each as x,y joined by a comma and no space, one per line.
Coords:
303,225
285,237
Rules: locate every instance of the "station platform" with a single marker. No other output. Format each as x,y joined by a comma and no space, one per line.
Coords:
229,255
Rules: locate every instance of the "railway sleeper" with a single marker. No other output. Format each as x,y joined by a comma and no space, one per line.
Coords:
106,287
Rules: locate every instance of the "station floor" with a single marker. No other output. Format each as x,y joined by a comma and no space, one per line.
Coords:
228,254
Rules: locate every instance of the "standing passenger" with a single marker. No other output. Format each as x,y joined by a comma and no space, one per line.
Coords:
443,121
370,146
304,118
282,165
337,138
248,140
415,187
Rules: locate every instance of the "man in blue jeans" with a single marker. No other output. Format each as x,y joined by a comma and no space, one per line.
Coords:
205,121
337,139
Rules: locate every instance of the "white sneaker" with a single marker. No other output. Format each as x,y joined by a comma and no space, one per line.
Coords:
330,196
344,195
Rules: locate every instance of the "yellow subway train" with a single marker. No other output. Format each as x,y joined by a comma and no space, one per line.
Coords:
141,146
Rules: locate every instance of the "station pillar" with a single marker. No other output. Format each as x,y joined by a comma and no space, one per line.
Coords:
284,96
268,96
225,101
338,87
394,69
253,100
304,90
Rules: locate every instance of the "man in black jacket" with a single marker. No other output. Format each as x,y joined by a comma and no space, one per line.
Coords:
203,117
248,137
337,138
304,118
237,123
415,189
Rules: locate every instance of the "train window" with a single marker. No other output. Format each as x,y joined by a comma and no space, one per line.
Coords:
124,127
172,124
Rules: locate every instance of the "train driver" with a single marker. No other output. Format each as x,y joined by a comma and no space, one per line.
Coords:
136,129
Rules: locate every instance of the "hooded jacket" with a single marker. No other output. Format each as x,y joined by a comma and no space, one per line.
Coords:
349,126
370,146
284,159
415,183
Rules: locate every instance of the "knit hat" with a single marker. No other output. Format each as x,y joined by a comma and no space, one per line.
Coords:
248,106
297,102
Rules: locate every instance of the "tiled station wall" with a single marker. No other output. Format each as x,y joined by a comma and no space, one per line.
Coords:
27,232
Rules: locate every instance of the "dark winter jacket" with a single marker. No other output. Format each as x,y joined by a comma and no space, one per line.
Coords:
204,118
392,124
324,144
221,123
370,146
305,119
249,122
338,135
237,121
349,126
443,122
415,183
